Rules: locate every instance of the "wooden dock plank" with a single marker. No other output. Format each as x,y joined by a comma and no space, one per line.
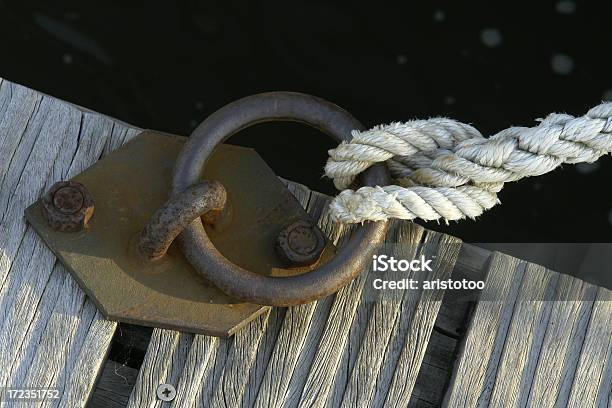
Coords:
199,365
562,343
288,347
48,327
546,344
523,341
315,333
422,319
77,387
313,381
62,335
275,368
320,378
382,321
475,373
167,350
263,355
240,358
592,385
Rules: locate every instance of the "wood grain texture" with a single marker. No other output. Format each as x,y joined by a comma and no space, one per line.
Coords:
52,336
565,332
524,339
383,319
239,360
296,356
475,372
422,318
592,385
537,339
166,352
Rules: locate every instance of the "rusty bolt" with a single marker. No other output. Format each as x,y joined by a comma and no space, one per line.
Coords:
300,243
67,206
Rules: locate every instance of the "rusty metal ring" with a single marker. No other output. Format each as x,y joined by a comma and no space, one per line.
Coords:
248,286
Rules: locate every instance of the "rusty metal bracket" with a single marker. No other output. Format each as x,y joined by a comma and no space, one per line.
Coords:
261,249
128,187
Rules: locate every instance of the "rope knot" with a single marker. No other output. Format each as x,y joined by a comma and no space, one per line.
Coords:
445,169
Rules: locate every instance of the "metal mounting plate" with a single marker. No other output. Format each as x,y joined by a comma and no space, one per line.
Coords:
128,186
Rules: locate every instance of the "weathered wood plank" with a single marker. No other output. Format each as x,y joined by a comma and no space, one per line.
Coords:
382,320
48,327
288,346
592,385
379,320
165,355
309,350
475,373
77,387
524,339
293,329
230,387
205,358
289,340
319,381
562,343
262,356
349,354
540,341
444,250
52,355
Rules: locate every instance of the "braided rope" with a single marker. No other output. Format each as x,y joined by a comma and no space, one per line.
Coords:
447,170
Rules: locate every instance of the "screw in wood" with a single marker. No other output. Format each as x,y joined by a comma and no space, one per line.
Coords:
165,392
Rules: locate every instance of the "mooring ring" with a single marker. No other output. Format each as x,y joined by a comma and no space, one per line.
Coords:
238,282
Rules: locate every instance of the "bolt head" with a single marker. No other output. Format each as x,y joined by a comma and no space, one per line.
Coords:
300,243
67,206
165,392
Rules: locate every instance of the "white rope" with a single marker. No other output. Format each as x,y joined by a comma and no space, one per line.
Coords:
447,170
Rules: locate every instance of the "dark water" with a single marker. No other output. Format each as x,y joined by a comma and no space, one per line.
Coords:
167,65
